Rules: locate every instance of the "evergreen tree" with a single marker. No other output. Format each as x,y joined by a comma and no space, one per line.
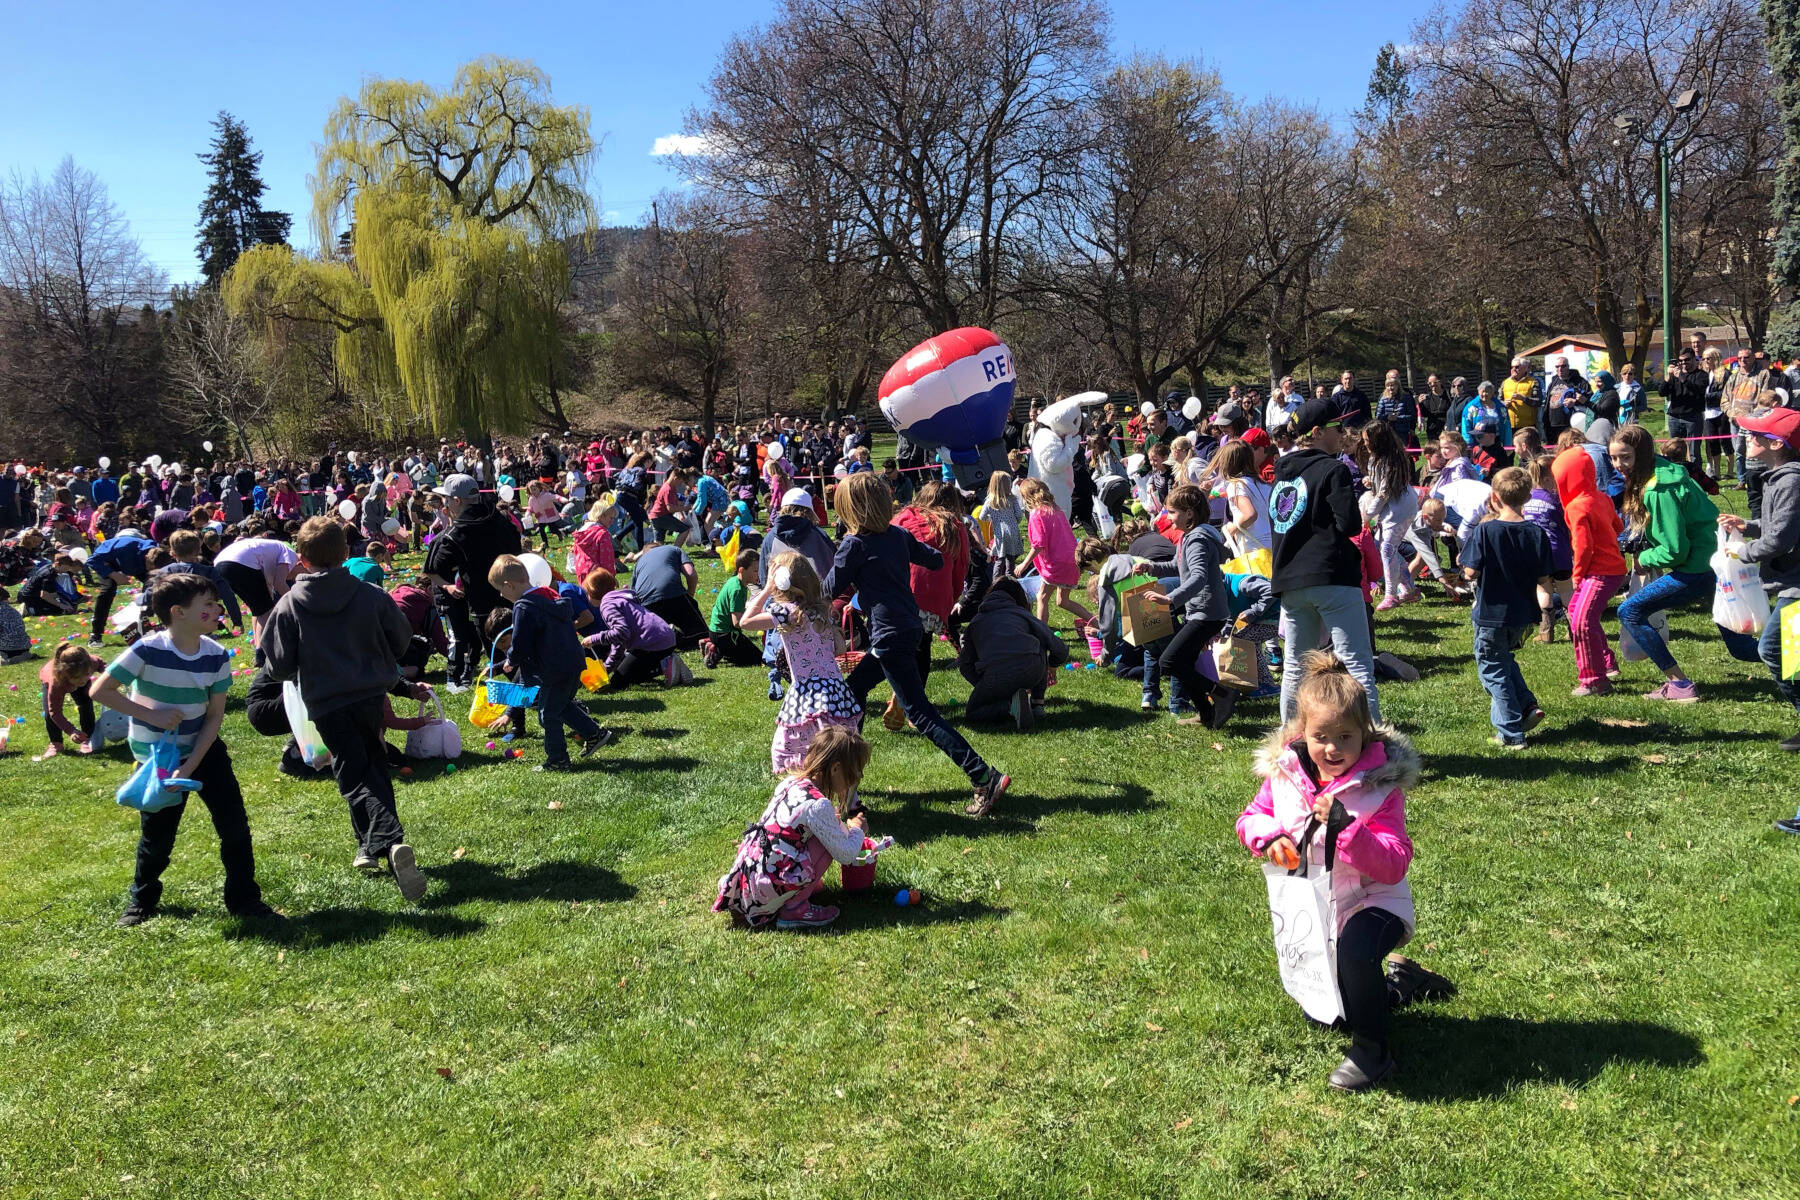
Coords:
1783,21
232,218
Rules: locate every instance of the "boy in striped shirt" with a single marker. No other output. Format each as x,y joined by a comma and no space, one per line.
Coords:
178,680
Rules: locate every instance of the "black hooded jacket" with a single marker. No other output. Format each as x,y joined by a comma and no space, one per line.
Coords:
1313,512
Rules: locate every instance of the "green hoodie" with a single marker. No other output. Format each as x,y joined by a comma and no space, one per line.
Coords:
1684,522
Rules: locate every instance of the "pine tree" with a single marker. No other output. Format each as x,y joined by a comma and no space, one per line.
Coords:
232,218
1783,21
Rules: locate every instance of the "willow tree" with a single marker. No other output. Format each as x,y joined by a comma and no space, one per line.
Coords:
444,215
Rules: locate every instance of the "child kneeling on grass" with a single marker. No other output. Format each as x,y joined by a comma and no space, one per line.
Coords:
179,678
1509,560
1332,765
812,820
548,656
725,639
1006,655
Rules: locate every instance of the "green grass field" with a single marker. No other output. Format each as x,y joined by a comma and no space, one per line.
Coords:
1085,1005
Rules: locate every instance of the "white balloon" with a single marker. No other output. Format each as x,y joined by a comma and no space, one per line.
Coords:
536,569
1147,407
390,527
351,456
1193,408
174,469
347,509
528,521
1086,398
206,446
105,463
155,460
777,451
507,492
19,470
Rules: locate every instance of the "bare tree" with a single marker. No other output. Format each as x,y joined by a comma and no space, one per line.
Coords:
81,338
213,359
943,121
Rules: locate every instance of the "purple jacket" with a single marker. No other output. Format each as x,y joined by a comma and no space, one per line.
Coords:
628,625
1545,511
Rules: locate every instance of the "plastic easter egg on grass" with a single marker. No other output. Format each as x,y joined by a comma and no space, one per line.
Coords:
449,768
902,897
490,745
406,771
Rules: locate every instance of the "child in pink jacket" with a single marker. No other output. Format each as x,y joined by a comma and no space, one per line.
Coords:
1333,768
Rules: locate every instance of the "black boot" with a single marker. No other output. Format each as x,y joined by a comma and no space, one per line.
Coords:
1365,1066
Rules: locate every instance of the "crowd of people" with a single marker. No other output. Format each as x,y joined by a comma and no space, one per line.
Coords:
1233,558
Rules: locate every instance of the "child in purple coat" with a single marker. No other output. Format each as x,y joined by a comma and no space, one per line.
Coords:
1544,510
637,643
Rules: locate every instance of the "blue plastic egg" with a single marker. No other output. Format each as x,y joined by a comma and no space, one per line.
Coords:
901,897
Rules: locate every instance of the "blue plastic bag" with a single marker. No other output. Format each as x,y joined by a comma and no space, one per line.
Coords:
148,790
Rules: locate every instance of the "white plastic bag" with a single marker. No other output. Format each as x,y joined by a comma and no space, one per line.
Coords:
1629,650
1305,922
1739,602
440,739
306,734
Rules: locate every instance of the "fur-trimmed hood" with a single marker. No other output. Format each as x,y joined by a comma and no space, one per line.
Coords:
1399,766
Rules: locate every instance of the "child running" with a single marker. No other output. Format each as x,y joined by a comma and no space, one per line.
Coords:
812,820
1333,771
794,606
1508,558
1597,568
1052,552
874,561
179,679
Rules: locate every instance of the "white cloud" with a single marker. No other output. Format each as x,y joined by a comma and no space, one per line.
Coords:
678,144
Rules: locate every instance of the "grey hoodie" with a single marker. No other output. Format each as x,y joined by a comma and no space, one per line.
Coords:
340,637
1202,587
1774,541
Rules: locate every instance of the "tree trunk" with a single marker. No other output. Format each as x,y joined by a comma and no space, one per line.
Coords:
1484,341
1406,348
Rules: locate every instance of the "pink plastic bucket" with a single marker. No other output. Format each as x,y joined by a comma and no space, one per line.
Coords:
857,879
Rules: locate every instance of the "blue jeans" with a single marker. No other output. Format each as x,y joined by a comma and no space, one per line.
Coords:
1769,647
1179,701
557,707
1510,698
1672,590
901,667
1684,427
1310,612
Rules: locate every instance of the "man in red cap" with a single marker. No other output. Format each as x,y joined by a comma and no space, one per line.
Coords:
1774,542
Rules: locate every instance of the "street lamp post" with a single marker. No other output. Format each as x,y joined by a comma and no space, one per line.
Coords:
1628,124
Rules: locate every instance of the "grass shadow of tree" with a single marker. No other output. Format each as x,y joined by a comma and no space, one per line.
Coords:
564,881
338,926
1653,733
926,816
1508,766
1480,1058
874,910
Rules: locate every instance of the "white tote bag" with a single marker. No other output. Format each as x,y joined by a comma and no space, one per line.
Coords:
306,734
1739,602
1305,921
440,739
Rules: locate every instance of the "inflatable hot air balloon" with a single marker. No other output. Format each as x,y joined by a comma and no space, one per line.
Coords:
952,391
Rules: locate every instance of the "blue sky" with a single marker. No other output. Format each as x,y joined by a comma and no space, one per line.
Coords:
129,88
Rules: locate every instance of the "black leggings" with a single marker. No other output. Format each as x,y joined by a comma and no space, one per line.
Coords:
84,708
1178,657
1368,938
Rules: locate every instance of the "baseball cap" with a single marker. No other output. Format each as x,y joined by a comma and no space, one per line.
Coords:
1783,423
1256,439
457,487
1228,414
1315,414
797,498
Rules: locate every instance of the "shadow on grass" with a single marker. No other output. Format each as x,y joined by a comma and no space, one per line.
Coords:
925,816
564,881
346,926
1428,665
1655,733
1533,763
625,762
1478,1058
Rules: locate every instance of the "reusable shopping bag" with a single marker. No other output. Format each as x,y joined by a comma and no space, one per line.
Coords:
148,789
440,739
1305,921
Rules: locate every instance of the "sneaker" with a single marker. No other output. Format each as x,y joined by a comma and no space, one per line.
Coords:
1615,675
96,642
1362,1068
592,746
406,872
1507,743
1223,702
259,911
1791,745
709,653
1683,692
1264,693
775,690
1388,604
1533,719
1148,704
813,916
1784,824
987,793
894,719
1599,687
1022,713
134,915
1397,668
555,765
364,861
684,674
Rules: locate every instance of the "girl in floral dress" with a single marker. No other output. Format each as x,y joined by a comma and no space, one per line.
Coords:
793,605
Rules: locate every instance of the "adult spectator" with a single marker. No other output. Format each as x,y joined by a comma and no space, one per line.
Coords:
1349,400
1433,407
1398,408
664,581
1283,404
1564,390
116,561
1631,395
1522,395
1684,395
1172,411
1317,569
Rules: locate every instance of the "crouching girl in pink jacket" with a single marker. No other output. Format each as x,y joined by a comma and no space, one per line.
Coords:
1332,764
